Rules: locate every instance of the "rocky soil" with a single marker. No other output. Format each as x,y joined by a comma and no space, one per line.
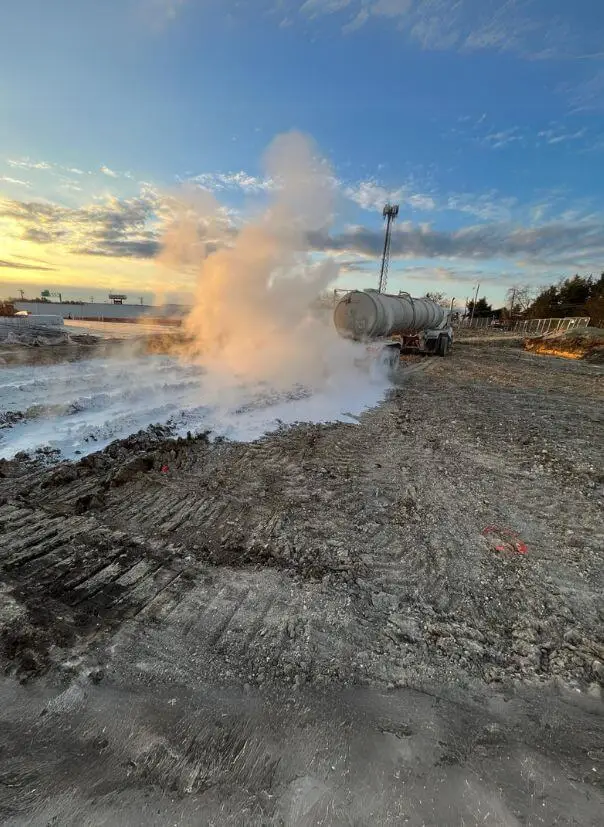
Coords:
453,538
584,343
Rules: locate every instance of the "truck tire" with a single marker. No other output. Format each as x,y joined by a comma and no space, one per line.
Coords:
444,346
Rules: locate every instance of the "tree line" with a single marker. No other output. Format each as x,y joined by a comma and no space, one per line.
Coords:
576,296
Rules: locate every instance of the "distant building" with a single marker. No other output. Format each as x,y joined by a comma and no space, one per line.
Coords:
106,311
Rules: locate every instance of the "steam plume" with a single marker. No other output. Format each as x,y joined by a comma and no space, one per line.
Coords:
252,314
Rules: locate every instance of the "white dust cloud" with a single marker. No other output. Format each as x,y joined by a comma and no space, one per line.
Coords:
258,355
252,315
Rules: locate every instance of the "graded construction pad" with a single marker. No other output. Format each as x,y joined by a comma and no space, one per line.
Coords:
313,628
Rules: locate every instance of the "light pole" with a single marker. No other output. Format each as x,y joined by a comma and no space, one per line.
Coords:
390,212
474,304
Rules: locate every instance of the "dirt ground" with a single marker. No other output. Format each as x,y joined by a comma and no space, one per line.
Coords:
394,622
586,343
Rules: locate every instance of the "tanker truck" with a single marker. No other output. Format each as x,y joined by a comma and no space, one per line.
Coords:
389,324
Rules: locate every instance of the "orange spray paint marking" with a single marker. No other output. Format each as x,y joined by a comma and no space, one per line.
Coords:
511,541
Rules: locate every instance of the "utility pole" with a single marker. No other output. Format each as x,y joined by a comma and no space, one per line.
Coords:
390,212
474,305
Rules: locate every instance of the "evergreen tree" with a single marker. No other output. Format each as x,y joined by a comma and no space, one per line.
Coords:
483,308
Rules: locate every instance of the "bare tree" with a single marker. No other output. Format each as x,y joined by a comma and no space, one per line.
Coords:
520,298
439,298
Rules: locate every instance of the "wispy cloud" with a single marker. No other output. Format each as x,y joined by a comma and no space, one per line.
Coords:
27,163
488,206
503,138
525,27
372,196
369,195
8,180
216,181
586,95
62,170
420,202
559,135
20,265
70,186
479,131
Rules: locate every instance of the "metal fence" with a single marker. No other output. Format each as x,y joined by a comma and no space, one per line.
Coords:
541,326
477,323
525,326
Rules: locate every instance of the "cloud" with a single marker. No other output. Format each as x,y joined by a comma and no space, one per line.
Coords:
356,23
487,206
249,184
8,180
369,195
126,228
60,170
318,7
524,27
134,248
450,278
587,95
131,229
553,134
70,186
503,138
27,163
19,265
421,202
527,28
372,196
554,243
559,135
114,227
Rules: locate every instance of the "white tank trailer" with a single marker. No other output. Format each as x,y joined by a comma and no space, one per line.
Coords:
389,324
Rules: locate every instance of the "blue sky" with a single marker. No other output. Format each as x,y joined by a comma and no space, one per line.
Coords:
484,119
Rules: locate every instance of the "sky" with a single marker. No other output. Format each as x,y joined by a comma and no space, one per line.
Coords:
482,119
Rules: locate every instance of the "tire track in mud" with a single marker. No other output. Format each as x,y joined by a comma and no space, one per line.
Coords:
78,570
320,553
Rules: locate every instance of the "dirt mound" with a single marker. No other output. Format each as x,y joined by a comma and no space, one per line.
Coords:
33,336
586,343
165,343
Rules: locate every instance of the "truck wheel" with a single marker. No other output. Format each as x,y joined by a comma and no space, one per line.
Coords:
443,346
